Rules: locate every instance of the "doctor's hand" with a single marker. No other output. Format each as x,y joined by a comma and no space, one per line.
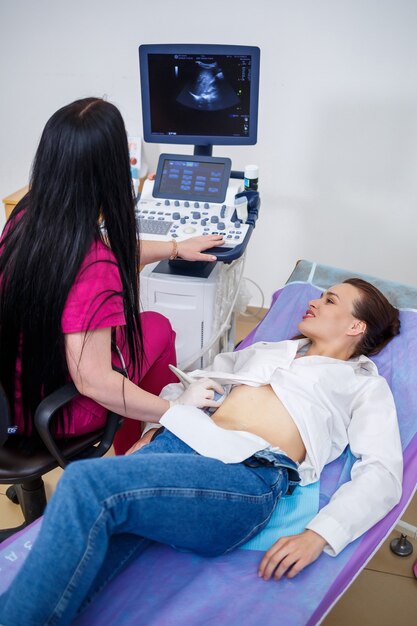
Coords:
289,555
200,394
192,249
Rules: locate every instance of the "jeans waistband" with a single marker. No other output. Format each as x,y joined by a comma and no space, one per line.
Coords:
276,459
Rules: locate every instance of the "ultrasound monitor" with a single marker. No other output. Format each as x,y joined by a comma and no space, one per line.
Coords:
200,94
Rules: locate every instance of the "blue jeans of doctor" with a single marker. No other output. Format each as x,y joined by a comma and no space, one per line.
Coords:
106,511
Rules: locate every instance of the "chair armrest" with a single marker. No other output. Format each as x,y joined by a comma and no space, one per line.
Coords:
47,409
44,414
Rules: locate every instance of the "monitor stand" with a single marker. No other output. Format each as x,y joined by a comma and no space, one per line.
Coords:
203,150
208,151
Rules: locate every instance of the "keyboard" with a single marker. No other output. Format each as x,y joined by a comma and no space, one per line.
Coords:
149,227
158,220
166,219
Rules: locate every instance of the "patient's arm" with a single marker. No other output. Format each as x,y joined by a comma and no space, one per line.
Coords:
289,555
376,476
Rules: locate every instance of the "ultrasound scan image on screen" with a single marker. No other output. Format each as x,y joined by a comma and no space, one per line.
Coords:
195,94
210,90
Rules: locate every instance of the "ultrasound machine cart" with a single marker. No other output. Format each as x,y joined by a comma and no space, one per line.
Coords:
201,95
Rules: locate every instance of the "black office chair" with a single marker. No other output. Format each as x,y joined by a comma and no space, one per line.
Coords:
24,470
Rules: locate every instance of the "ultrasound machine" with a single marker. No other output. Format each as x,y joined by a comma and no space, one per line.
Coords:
202,95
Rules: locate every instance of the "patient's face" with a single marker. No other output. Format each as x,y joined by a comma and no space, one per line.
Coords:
330,317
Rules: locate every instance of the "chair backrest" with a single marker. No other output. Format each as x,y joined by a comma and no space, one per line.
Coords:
5,421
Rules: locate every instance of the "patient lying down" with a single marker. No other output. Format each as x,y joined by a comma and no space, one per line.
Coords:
208,484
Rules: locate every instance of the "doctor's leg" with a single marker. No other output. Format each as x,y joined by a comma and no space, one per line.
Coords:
159,352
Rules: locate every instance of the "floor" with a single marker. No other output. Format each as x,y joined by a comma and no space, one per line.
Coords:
384,594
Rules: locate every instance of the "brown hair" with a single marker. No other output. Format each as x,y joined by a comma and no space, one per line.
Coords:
380,316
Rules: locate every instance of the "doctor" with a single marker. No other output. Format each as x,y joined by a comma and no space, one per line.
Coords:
69,295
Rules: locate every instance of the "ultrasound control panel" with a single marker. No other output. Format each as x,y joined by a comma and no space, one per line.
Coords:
193,196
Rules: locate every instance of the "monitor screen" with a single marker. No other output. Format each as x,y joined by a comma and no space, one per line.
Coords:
202,95
195,178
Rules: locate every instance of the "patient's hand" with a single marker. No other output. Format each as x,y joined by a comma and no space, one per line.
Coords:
146,438
289,555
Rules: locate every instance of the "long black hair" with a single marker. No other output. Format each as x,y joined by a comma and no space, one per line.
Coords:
80,176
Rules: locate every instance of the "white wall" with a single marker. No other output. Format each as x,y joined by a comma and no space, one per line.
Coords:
337,145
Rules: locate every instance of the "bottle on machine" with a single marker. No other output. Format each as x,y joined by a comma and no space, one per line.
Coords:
251,177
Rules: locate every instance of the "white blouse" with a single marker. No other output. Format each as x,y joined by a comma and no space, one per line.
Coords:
333,403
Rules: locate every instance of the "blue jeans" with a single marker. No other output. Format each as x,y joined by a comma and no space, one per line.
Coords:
106,511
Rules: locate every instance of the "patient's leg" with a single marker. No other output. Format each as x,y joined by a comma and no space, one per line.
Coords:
122,550
181,499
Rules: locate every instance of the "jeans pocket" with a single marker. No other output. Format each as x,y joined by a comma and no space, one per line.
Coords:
268,458
272,475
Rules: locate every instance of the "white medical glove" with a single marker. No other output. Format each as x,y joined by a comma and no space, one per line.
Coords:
201,394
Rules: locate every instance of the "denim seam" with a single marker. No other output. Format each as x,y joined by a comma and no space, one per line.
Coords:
112,575
66,596
279,470
183,492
